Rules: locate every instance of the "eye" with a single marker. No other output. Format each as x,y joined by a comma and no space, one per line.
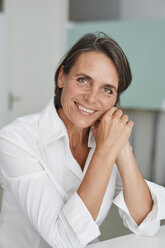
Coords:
82,80
108,91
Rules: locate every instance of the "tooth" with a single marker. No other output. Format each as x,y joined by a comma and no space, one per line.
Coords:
84,109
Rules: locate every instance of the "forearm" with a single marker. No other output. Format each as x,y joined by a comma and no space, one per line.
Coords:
111,134
94,184
136,191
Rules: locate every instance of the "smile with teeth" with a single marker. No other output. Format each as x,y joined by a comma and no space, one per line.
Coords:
85,109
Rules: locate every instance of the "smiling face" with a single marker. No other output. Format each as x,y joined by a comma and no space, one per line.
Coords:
89,89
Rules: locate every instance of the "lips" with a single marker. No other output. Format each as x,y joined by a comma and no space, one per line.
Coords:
85,109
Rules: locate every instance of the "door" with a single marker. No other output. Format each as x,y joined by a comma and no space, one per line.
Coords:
36,41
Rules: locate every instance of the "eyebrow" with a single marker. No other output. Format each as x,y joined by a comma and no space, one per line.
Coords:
90,78
110,86
84,75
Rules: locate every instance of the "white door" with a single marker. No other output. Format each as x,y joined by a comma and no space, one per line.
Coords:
36,42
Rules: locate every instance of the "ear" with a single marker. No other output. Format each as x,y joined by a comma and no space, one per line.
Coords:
60,82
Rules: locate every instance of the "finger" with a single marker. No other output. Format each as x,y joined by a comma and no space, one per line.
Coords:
130,124
118,113
109,113
112,110
124,118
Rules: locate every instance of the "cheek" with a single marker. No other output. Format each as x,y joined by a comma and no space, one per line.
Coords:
108,103
69,94
70,90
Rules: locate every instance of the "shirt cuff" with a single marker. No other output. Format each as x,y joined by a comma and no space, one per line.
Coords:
81,220
158,196
150,225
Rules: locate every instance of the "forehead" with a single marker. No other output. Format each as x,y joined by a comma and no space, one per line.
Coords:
92,58
96,65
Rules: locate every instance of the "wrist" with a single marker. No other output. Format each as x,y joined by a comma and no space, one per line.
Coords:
124,154
106,154
126,149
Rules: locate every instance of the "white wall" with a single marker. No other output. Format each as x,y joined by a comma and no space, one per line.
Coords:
3,72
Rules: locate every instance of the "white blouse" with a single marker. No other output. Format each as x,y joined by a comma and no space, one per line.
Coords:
40,177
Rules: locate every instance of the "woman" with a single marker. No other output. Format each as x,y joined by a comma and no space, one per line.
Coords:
61,169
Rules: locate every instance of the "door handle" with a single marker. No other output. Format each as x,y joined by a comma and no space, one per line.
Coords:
12,99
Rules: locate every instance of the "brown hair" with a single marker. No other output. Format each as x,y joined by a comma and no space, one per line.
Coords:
99,42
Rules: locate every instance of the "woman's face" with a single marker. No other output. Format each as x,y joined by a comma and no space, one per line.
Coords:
89,90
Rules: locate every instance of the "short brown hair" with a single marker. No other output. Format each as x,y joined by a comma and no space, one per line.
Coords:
98,42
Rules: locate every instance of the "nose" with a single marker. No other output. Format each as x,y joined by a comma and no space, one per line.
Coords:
91,96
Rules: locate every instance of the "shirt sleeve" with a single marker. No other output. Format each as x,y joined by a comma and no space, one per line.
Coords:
151,223
62,223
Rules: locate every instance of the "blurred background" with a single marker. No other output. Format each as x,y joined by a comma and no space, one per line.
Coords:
35,34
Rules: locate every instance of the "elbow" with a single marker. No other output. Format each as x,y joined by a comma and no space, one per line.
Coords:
152,229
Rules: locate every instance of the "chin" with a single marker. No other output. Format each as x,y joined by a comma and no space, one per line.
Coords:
83,124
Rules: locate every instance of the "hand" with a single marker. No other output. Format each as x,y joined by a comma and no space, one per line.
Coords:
112,131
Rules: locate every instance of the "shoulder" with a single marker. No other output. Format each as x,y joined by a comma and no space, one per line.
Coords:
33,131
21,132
